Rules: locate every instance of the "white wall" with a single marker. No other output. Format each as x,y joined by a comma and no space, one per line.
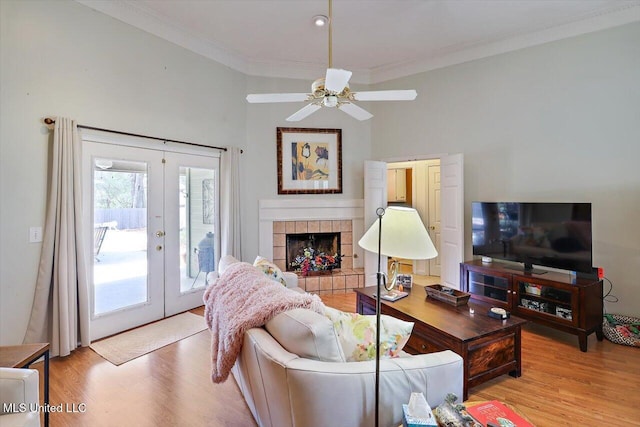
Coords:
557,122
63,59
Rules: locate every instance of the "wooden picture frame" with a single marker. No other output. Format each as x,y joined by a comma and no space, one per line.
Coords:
406,280
309,160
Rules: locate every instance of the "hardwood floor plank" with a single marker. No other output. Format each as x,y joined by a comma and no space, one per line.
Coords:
168,387
559,386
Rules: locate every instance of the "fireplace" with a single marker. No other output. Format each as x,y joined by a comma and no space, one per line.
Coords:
291,216
333,232
302,245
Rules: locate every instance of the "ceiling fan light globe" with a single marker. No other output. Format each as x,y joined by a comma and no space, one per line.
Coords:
330,101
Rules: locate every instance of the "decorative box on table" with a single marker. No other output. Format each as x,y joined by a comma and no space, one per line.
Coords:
448,295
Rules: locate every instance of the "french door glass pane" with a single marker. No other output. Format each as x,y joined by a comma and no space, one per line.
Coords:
197,226
120,234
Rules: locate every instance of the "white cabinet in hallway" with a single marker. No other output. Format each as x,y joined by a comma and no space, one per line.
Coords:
397,185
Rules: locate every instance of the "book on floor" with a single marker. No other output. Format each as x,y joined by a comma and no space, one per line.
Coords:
497,413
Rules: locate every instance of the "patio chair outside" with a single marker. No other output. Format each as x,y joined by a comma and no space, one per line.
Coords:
98,237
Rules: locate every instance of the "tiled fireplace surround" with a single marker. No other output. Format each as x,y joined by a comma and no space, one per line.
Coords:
281,217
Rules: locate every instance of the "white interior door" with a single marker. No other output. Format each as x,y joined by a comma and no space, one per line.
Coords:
452,224
434,223
375,196
426,200
153,220
421,204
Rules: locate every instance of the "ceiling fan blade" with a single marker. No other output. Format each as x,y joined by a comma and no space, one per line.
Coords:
386,95
303,112
336,79
354,111
257,98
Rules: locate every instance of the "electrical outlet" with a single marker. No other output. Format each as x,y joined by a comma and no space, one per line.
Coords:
35,234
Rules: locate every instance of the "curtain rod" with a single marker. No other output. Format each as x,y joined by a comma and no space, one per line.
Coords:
50,121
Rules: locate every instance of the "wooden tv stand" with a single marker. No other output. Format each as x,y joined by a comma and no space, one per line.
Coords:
489,347
553,299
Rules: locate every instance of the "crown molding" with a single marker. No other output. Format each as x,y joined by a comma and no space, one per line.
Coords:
134,14
601,21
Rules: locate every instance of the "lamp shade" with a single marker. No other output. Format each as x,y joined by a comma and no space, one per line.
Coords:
403,235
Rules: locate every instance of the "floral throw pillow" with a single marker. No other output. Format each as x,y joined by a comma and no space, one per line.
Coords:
357,334
270,269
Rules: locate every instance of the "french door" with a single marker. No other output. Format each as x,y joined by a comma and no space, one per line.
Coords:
152,218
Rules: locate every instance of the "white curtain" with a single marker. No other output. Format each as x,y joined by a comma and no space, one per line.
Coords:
60,312
230,202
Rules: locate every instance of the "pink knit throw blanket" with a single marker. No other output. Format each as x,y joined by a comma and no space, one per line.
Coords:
243,298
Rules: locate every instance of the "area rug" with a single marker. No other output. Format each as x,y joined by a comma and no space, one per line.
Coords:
129,345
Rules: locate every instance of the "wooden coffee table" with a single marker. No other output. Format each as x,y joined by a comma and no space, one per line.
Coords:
489,347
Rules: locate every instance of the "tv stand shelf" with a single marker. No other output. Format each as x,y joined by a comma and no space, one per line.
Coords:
557,300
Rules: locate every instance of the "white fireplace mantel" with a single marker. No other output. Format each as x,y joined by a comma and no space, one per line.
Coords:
309,210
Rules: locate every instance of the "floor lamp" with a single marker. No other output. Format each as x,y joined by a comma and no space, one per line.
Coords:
403,235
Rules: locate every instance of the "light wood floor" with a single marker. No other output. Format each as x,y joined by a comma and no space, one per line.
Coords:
559,386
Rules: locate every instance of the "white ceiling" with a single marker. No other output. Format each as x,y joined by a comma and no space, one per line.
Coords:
376,39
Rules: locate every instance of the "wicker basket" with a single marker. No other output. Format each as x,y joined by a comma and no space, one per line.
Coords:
448,295
617,328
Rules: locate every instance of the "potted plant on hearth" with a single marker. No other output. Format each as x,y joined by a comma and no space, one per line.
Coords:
311,261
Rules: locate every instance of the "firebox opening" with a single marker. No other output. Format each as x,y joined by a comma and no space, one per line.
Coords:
322,243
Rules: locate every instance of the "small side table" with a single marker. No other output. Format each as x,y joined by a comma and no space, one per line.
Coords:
22,356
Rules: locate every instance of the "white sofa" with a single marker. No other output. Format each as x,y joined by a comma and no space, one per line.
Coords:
20,388
285,390
290,375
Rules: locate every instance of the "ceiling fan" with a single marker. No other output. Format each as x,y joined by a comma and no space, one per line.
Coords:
333,91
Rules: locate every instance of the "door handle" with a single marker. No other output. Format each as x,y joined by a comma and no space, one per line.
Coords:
160,233
159,248
433,227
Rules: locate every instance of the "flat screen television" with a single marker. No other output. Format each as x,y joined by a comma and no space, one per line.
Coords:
556,235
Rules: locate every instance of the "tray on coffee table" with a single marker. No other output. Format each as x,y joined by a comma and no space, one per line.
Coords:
448,295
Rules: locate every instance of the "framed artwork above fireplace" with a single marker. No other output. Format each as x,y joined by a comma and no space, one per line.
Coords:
309,161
